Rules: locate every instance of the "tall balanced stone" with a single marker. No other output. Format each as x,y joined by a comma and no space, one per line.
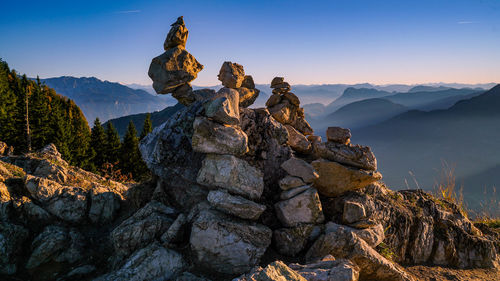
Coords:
176,66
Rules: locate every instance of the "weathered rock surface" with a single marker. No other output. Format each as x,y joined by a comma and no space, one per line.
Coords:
225,245
353,155
231,75
177,36
338,135
153,262
104,205
56,245
224,108
248,82
12,238
235,205
289,182
247,95
298,141
303,208
142,228
291,241
233,174
300,168
275,271
211,137
287,194
335,179
172,69
353,212
346,244
372,235
328,270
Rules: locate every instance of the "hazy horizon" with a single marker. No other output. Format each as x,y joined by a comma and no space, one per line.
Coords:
330,42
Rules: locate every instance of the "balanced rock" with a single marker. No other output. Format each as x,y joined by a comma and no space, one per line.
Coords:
248,82
231,75
303,208
225,245
235,205
233,174
353,155
247,96
273,100
177,36
300,168
211,137
276,81
172,69
338,135
335,179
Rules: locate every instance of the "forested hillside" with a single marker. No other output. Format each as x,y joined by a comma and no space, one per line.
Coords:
33,115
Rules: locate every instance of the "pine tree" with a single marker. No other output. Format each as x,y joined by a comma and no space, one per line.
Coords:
129,153
112,144
98,144
147,127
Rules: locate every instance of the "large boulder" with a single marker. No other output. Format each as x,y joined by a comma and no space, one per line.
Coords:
177,36
298,141
353,155
232,174
328,269
226,245
153,262
211,137
53,248
303,208
105,203
65,202
335,179
235,205
172,69
231,74
143,227
12,238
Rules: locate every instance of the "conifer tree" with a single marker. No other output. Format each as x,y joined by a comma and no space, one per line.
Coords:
98,144
112,144
129,152
147,127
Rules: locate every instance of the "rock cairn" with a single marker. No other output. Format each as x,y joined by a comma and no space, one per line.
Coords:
235,188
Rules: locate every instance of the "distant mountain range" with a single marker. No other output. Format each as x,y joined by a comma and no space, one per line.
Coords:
466,136
105,99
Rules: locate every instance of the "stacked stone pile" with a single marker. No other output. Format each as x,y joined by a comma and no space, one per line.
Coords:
242,193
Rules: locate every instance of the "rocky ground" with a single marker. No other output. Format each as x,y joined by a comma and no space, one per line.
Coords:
238,194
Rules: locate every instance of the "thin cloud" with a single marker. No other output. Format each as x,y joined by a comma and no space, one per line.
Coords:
466,22
128,12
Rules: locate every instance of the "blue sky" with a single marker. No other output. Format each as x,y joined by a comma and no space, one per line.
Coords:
308,42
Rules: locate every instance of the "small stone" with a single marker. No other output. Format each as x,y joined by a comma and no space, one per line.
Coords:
184,94
300,168
338,135
233,174
235,205
353,212
211,137
224,108
314,139
335,179
298,141
247,96
289,182
292,192
303,208
301,125
276,81
177,36
231,75
248,82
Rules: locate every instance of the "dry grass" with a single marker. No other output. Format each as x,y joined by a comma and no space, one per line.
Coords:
446,188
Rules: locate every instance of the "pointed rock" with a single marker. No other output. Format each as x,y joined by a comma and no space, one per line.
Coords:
231,75
177,36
